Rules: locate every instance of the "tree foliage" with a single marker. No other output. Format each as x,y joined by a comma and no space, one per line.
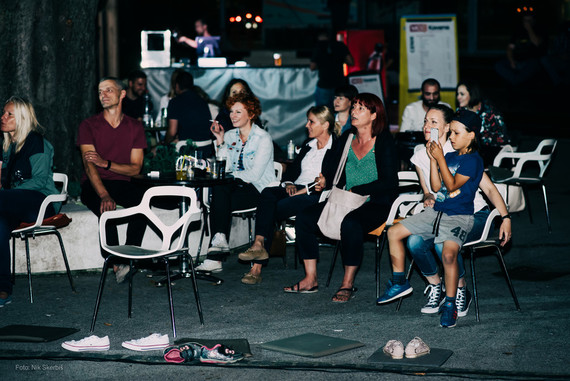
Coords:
49,56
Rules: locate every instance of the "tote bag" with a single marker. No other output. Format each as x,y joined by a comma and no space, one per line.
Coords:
339,202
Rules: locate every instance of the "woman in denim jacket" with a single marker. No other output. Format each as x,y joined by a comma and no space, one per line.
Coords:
249,153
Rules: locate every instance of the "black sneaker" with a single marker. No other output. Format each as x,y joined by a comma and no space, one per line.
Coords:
435,298
462,301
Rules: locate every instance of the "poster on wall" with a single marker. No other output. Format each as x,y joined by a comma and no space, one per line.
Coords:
367,83
431,52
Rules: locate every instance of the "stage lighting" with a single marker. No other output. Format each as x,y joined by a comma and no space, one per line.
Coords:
258,19
238,18
248,15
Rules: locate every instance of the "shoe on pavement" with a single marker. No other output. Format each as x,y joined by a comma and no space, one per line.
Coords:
186,352
435,298
153,342
462,301
395,291
122,272
210,266
6,300
249,278
219,244
448,312
219,354
88,344
254,255
394,349
416,348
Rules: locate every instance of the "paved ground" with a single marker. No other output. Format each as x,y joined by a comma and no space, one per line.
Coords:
506,344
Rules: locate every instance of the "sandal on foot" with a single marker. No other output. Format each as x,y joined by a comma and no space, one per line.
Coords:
295,289
343,295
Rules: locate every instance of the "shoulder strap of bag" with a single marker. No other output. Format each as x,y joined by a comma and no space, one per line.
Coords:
342,160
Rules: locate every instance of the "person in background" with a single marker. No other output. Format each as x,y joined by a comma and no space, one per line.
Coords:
165,99
27,178
188,114
414,113
493,135
293,195
134,101
201,28
329,57
249,152
343,97
371,169
112,148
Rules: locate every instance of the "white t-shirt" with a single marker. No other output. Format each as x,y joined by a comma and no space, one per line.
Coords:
413,116
312,162
421,160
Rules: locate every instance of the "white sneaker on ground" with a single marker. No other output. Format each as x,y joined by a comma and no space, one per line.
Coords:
416,348
211,266
156,341
394,349
219,244
88,344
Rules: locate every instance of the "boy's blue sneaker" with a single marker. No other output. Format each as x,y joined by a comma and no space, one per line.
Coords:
395,291
4,301
448,313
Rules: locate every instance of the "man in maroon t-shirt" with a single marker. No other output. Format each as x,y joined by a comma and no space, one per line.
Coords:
112,148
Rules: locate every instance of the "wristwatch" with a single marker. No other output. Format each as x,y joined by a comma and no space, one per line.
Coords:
506,216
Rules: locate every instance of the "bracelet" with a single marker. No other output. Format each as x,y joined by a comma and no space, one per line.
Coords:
506,216
108,165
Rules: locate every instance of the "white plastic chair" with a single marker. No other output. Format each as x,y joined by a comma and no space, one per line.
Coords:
173,242
43,227
198,144
541,155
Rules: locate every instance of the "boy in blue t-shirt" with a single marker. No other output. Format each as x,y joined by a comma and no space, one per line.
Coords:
455,178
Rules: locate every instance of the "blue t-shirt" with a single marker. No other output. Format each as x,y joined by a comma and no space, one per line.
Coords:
460,201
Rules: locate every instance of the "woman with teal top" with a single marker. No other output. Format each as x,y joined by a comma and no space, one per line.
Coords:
371,169
27,179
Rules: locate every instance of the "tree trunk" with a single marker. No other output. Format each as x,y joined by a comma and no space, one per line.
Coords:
49,56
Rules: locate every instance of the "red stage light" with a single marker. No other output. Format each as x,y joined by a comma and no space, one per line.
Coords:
248,15
232,19
518,10
258,19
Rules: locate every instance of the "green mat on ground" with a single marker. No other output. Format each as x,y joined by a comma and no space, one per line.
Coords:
34,333
437,357
312,345
238,345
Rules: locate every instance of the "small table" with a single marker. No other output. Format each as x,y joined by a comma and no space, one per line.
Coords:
198,182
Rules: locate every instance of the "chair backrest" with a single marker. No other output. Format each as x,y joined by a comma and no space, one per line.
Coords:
406,178
485,234
198,144
62,179
542,155
278,170
403,199
167,231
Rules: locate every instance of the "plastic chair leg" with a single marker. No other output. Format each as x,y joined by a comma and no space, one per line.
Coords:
474,281
13,260
525,193
507,277
99,294
333,262
65,260
169,289
28,262
196,293
546,208
130,302
378,257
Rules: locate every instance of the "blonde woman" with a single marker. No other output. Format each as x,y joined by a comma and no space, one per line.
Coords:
27,179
